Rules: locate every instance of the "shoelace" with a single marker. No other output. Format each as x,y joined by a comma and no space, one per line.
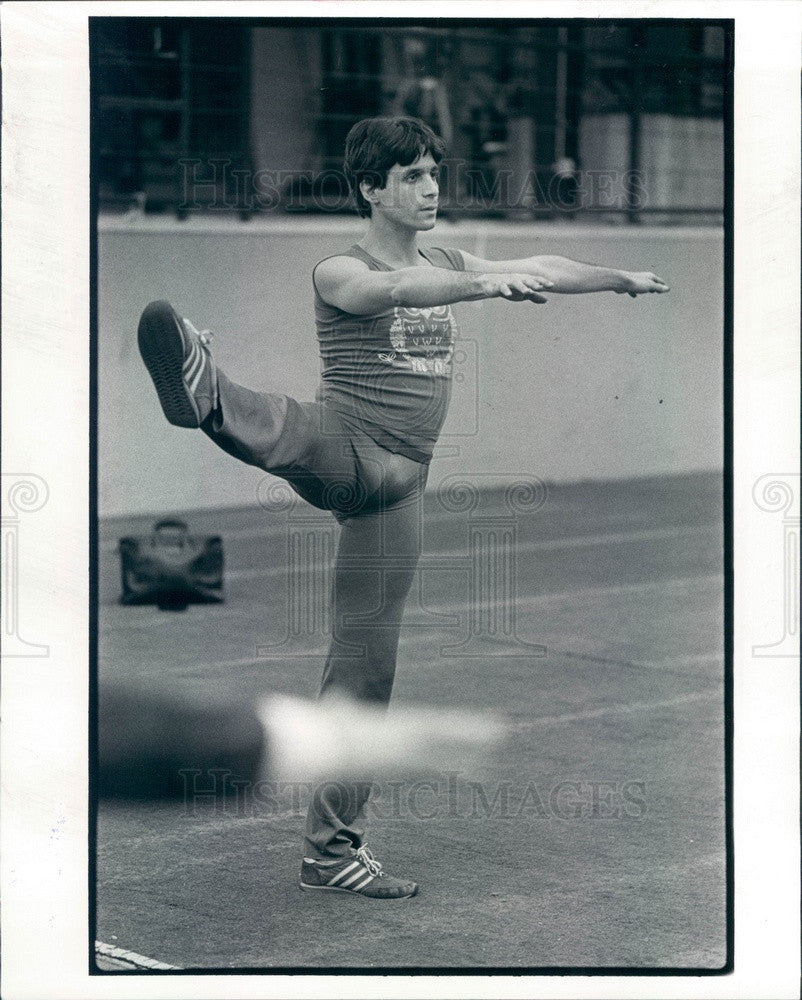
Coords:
204,336
365,855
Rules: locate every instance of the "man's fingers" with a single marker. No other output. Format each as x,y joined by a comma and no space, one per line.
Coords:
520,288
529,287
648,283
537,283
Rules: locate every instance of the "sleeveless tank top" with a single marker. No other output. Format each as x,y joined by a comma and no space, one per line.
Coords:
389,374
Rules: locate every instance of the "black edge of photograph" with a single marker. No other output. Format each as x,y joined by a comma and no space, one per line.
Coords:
411,463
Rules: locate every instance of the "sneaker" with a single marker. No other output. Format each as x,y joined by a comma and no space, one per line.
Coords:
180,364
360,875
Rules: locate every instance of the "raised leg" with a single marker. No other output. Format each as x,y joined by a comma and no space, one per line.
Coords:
304,443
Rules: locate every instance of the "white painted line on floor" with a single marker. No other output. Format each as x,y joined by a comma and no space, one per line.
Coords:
577,541
132,958
147,616
625,708
261,661
617,538
581,595
319,654
423,633
523,548
587,595
275,526
691,660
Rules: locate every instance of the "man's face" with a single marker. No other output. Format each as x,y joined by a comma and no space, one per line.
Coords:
410,195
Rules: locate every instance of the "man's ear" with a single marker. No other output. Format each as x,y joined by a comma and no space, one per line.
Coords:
367,189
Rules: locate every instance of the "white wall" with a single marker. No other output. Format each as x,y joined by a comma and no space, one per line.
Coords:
596,386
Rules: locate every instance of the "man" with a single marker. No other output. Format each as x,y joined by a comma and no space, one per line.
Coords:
386,334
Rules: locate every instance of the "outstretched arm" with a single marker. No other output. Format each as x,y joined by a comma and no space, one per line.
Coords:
350,285
572,276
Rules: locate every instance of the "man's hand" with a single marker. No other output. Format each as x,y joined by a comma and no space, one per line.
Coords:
515,287
640,283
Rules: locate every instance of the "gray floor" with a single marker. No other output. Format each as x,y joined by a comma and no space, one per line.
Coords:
594,838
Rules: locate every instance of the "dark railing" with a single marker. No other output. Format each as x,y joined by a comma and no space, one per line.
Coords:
620,120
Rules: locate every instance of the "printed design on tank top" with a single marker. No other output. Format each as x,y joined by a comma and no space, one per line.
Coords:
422,340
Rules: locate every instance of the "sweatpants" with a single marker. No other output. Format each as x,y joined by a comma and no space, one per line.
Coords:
377,497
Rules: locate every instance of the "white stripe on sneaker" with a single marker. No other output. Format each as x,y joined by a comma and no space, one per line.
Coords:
190,359
361,885
344,872
196,368
354,878
194,383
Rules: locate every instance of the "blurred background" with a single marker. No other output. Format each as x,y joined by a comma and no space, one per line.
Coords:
217,153
549,105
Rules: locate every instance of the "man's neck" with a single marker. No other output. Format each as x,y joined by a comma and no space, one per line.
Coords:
394,245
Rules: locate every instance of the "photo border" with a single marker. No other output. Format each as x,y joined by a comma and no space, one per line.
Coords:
47,371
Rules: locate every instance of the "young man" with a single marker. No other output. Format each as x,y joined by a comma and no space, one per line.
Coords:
362,451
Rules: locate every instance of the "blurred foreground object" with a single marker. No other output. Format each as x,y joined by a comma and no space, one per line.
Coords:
149,743
339,737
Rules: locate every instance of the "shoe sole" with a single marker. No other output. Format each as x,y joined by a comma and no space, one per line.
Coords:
163,349
350,892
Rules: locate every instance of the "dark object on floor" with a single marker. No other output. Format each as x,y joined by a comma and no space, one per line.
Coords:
171,567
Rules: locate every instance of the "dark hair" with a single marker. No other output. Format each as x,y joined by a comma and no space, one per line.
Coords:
374,145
